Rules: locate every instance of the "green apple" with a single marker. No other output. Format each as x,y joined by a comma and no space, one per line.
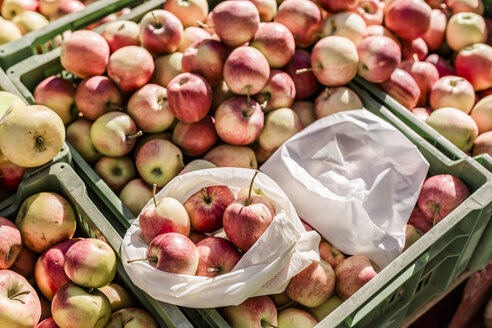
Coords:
321,311
131,318
29,21
118,297
280,125
8,31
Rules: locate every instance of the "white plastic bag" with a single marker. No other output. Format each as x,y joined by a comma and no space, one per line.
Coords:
283,250
355,179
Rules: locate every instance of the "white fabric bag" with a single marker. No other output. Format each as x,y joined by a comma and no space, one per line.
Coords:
283,250
355,179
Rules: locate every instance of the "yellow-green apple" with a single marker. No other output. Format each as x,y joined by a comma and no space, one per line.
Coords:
337,5
275,42
246,71
49,272
197,164
167,68
135,196
402,86
76,307
119,34
295,318
474,63
20,306
206,58
334,100
378,58
353,273
280,125
281,300
96,96
206,207
29,21
422,113
189,97
327,307
443,66
452,91
232,156
482,114
12,8
24,264
31,136
45,219
163,216
79,136
59,95
280,91
158,161
10,243
131,318
410,19
8,31
379,30
465,29
411,236
148,137
483,144
47,323
115,171
192,34
130,67
455,125
85,54
305,112
346,24
457,6
330,254
90,263
118,297
302,18
189,11
306,83
10,174
266,8
440,195
195,138
235,21
371,11
434,37
415,49
172,252
313,285
425,75
259,311
217,256
160,32
114,134
334,61
419,221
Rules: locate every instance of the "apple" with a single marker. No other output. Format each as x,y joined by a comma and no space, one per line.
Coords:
443,67
96,96
379,30
12,8
334,61
189,97
422,113
346,24
158,161
131,318
275,42
119,34
24,264
330,254
189,11
280,125
167,68
29,21
49,7
31,136
419,221
196,237
281,300
305,112
302,18
115,171
8,31
280,91
483,144
47,323
118,296
425,75
45,219
259,311
474,63
436,4
327,307
402,86
130,67
192,34
195,138
49,272
266,8
415,49
10,243
85,54
90,307
20,306
440,195
452,91
79,136
217,256
67,7
197,164
232,156
135,195
235,21
378,58
306,83
353,273
206,58
296,318
11,175
482,114
411,236
371,11
465,6
337,5
160,32
312,286
333,100
58,95
410,19
434,37
465,29
454,125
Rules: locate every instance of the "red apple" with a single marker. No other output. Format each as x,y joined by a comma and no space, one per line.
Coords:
481,145
160,32
330,254
378,58
59,95
305,112
346,24
474,63
206,58
422,113
232,156
306,83
337,5
24,264
280,91
275,42
10,174
333,100
425,74
410,19
135,195
188,12
370,10
97,95
216,256
353,273
47,323
443,67
67,7
419,221
130,67
465,6
195,138
116,172
452,91
266,8
121,33
434,36
131,318
192,34
195,165
402,86
379,30
415,49
196,237
259,311
10,243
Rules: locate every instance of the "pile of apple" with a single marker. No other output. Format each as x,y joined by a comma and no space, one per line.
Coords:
49,279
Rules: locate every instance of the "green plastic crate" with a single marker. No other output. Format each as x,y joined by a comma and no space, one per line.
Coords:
5,84
62,179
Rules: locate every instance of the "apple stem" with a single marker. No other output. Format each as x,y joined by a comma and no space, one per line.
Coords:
435,216
133,136
267,324
415,58
251,188
206,195
305,70
20,294
155,17
248,97
265,103
213,269
203,25
154,189
138,260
